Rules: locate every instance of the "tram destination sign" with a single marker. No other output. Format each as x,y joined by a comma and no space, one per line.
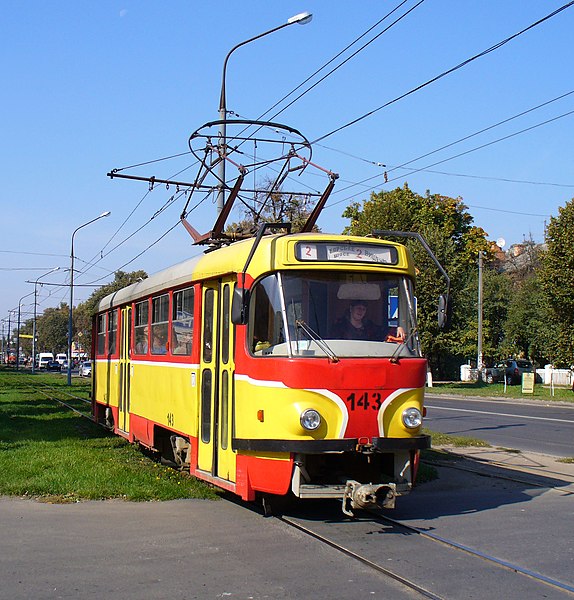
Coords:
330,252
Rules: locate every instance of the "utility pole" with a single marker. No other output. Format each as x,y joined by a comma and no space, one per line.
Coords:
479,361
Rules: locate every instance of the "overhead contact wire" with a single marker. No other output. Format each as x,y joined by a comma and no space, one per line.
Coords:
445,73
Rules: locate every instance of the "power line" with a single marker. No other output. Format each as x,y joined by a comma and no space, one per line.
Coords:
31,253
445,73
413,171
346,60
329,62
94,261
463,139
506,137
487,178
325,65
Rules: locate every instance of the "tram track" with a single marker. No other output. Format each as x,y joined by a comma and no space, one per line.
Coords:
410,584
51,393
363,527
477,553
484,468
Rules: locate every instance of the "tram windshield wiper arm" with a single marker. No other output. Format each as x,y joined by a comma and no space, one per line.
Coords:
300,324
395,357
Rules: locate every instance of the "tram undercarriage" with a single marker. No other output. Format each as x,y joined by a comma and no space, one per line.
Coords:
360,479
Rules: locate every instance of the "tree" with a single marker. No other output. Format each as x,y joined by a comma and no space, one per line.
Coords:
274,207
557,281
526,328
447,227
52,329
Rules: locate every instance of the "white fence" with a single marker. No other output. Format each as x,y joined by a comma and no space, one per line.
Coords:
467,373
552,376
546,376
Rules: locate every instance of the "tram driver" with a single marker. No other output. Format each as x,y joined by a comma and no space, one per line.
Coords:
354,325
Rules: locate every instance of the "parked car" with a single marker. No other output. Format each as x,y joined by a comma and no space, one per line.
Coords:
44,358
61,358
85,369
53,365
510,369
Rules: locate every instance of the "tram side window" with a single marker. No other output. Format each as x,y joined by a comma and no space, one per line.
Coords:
112,331
182,322
101,334
159,324
141,327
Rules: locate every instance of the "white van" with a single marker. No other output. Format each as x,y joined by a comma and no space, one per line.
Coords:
44,358
61,358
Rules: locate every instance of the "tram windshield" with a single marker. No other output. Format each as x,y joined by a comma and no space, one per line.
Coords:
336,314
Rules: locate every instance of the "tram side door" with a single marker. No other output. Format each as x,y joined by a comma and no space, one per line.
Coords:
124,370
215,455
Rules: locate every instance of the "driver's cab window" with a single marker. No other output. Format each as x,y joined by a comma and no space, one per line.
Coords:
266,326
332,313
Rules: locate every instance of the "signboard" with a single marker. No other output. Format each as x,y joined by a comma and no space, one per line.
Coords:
363,253
527,383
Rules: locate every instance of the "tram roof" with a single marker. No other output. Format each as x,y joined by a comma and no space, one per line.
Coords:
228,259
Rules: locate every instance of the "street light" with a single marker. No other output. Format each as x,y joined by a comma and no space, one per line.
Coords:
18,331
301,19
34,324
70,313
10,312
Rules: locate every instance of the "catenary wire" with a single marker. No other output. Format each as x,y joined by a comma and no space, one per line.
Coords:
325,65
347,59
290,93
489,50
413,171
445,73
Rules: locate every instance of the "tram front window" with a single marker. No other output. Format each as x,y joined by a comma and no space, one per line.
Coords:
332,313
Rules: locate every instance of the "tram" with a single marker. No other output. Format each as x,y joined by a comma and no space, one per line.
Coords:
239,366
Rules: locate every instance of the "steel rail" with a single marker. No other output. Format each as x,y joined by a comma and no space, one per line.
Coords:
535,481
365,561
51,397
477,553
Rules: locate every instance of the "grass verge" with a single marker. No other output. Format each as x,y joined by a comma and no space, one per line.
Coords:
51,453
496,390
427,472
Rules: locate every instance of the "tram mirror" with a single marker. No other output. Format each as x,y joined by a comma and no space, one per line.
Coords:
359,291
239,306
442,310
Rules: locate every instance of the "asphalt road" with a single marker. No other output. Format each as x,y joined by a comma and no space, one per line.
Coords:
547,428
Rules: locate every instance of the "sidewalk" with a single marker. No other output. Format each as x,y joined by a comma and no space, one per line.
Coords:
541,465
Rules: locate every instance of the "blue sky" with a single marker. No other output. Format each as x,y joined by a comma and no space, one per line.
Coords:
89,87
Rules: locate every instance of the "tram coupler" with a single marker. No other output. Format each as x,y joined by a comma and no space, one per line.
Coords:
367,495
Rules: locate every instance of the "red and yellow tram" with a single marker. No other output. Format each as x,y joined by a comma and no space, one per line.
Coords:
239,365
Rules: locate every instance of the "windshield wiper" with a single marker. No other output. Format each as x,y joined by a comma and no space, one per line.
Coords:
395,356
300,324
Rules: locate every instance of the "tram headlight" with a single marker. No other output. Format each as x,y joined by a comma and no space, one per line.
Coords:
310,419
412,418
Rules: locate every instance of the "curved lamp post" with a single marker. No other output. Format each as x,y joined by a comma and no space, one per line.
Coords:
70,313
34,323
18,331
301,19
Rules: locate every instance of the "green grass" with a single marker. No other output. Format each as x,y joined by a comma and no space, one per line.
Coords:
497,390
459,441
50,453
